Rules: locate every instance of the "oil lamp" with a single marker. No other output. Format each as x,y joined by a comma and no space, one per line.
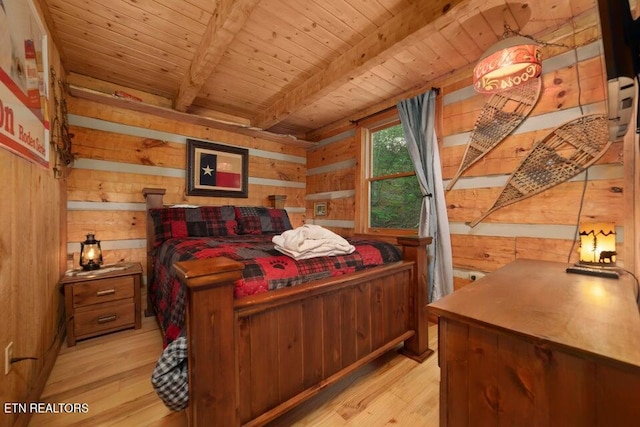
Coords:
90,253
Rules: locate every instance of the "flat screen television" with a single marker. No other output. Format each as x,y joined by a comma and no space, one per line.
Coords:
621,40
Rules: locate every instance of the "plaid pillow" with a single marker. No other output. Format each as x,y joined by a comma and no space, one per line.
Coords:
260,220
249,224
214,221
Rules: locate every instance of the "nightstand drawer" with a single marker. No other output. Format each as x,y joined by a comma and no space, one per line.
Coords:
103,290
103,318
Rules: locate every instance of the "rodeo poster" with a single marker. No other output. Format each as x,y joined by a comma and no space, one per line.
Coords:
23,82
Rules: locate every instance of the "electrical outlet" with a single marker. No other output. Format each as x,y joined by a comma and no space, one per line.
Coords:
8,355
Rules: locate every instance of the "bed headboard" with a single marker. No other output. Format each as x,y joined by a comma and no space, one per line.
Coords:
153,197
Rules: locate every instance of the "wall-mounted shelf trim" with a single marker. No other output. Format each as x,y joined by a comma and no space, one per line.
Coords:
168,113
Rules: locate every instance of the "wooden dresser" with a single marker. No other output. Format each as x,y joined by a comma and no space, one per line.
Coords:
102,301
533,345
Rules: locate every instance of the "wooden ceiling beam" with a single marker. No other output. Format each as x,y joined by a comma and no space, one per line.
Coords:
400,31
228,18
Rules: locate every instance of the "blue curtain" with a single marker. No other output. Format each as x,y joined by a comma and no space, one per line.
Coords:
417,116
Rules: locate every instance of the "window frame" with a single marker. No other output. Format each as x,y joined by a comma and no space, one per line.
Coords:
364,179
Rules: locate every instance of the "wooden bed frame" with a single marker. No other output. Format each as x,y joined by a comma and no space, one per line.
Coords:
279,348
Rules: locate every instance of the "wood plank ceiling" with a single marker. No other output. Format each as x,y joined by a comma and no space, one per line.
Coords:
288,66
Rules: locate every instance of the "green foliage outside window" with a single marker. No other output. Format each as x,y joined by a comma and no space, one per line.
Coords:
389,152
394,201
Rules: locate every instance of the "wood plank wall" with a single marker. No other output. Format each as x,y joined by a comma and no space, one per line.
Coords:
32,247
120,152
541,227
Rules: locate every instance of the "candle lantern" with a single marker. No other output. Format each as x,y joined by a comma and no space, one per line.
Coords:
90,253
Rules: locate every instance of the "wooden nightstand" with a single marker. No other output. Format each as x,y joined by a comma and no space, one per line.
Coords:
102,301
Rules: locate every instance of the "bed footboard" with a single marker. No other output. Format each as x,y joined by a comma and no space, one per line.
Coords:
254,358
210,323
414,249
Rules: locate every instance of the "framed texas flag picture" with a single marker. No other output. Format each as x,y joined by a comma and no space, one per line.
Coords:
216,170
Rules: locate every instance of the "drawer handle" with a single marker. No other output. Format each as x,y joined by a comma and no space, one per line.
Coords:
107,319
105,292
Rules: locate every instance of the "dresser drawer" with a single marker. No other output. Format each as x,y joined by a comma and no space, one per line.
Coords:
103,290
105,317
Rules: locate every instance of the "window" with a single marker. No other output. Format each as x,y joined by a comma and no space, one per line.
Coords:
393,197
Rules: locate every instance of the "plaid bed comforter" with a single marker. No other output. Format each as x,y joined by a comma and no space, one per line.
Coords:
265,269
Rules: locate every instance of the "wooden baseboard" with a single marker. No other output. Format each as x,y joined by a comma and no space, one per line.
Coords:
35,393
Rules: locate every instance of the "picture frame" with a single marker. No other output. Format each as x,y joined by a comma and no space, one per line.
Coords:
320,208
216,170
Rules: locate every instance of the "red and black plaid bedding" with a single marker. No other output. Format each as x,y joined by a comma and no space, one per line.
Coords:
265,269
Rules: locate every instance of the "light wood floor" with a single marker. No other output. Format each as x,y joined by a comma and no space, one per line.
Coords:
112,375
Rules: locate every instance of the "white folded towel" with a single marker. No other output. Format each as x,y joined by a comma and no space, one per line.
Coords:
311,241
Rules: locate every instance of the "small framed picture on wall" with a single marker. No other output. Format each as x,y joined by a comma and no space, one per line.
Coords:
320,208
